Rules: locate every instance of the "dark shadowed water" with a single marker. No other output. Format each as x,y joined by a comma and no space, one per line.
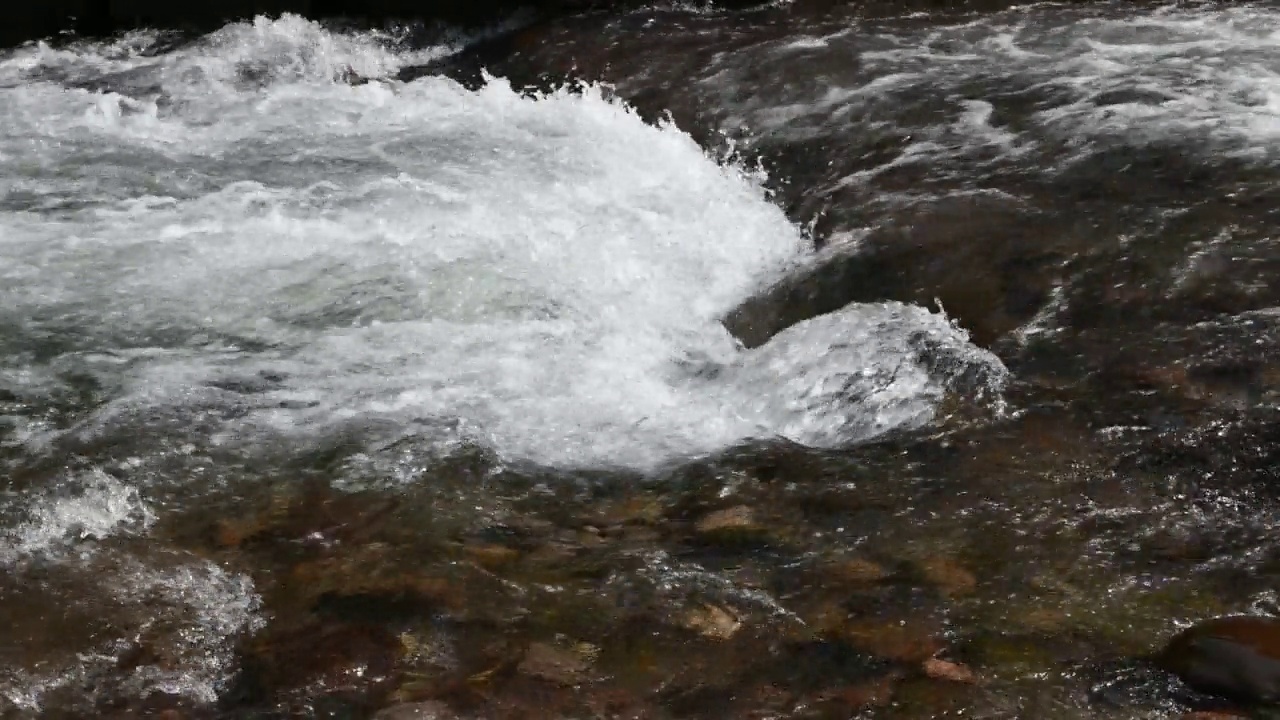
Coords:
811,361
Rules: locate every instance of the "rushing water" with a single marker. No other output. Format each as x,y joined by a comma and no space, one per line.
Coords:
226,271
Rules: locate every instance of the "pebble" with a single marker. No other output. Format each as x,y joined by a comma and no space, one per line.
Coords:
856,571
556,664
737,518
940,669
713,622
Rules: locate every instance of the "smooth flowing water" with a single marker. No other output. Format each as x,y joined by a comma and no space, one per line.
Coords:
319,395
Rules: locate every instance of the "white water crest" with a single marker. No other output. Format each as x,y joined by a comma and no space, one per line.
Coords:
1089,76
228,226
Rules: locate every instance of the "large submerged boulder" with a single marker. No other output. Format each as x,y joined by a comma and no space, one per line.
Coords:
1236,657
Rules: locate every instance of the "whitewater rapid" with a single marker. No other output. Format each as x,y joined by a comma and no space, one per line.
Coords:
229,225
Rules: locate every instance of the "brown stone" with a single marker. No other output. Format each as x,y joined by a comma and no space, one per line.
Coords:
735,519
231,534
564,666
939,669
371,572
1042,619
639,509
856,571
590,537
1212,715
893,641
828,617
948,575
553,554
491,556
640,535
713,622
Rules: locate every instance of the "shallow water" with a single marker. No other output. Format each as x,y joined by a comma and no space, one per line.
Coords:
316,397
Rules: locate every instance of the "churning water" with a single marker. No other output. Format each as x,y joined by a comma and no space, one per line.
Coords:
230,224
228,247
216,255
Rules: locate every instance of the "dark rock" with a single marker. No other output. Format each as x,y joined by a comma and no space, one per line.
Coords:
859,696
354,662
96,18
1234,657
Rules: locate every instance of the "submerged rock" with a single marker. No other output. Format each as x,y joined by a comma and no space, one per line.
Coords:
940,669
735,527
948,575
731,521
855,571
561,665
901,642
1235,657
713,622
429,710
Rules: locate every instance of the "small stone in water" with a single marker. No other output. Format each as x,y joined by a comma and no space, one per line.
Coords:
737,518
732,526
1235,657
491,556
939,669
712,622
857,570
555,664
948,575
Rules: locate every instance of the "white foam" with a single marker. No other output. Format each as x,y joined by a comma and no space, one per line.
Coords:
858,373
192,612
1202,78
549,274
91,506
210,609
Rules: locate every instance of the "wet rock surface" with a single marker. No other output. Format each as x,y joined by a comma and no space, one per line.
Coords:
1236,657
